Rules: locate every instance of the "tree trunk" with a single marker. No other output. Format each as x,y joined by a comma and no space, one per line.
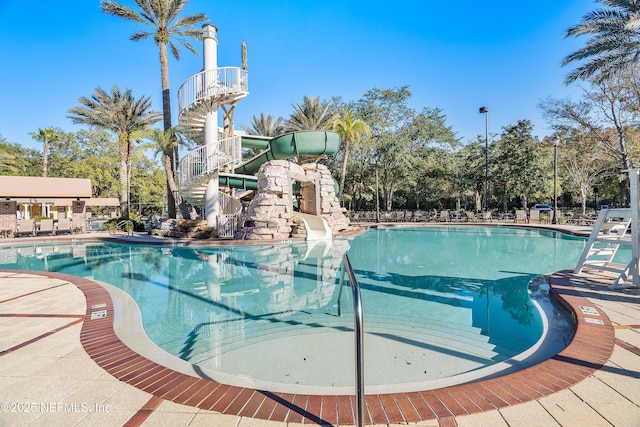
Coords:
166,119
172,188
45,157
124,194
343,173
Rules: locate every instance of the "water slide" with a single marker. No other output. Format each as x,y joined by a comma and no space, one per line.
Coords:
284,147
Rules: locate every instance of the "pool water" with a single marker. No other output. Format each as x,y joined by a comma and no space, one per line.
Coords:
442,305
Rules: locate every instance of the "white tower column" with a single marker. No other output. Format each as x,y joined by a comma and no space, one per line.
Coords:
210,58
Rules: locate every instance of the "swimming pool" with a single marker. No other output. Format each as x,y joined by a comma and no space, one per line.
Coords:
442,304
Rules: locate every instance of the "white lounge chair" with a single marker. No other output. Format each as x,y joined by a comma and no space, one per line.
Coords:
534,215
64,225
46,226
25,226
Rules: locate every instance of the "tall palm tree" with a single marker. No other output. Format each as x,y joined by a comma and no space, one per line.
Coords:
46,136
312,114
614,43
124,116
265,125
350,129
164,143
162,17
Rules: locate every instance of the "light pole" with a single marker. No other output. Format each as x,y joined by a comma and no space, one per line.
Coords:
485,111
377,198
556,141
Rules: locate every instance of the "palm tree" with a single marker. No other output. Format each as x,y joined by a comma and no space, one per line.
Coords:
265,125
47,136
312,114
121,114
162,17
164,143
615,40
350,129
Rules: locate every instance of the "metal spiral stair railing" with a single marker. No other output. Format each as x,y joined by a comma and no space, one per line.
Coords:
204,163
200,95
204,92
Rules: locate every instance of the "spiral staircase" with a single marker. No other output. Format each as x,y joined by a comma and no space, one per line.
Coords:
199,98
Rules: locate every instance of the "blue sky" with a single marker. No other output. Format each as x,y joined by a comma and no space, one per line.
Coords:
457,56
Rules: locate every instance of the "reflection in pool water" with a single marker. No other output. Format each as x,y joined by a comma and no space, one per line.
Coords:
439,302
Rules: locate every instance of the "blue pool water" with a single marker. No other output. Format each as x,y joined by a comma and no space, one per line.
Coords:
440,303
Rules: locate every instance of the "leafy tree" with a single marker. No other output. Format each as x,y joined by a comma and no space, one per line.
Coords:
312,114
91,153
582,162
351,129
162,16
608,113
518,166
432,145
123,115
17,160
473,167
46,136
387,114
614,42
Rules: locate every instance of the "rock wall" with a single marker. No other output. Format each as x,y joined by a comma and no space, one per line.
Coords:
270,213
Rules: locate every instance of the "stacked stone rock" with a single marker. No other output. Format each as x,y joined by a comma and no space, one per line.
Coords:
270,213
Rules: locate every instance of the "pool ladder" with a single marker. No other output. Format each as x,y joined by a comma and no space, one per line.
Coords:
358,329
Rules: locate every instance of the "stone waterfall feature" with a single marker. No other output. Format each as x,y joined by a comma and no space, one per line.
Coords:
270,215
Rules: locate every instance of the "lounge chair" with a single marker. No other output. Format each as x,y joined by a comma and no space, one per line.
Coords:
521,215
46,226
471,217
64,225
25,226
534,215
487,216
444,216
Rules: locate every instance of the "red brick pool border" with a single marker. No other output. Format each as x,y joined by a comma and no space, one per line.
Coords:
589,350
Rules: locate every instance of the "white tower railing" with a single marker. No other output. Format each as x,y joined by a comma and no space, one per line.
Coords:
209,159
225,84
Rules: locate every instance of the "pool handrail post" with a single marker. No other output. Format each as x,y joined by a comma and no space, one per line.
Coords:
358,328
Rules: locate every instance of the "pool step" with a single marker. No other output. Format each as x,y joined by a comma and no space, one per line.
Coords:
233,335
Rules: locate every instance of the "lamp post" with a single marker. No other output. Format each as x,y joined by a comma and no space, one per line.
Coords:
377,198
556,141
485,111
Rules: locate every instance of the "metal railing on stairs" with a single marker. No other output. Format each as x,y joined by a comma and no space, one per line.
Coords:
209,159
125,225
358,329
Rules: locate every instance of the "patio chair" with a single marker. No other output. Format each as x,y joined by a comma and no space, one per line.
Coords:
25,226
487,216
444,216
46,226
64,225
521,215
534,215
471,217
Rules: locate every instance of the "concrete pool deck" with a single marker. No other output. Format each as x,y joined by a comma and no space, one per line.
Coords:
61,364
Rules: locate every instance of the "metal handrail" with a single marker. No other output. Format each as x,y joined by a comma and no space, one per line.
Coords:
126,224
358,329
215,83
209,158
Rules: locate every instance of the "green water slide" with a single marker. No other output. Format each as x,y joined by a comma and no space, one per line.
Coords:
290,145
